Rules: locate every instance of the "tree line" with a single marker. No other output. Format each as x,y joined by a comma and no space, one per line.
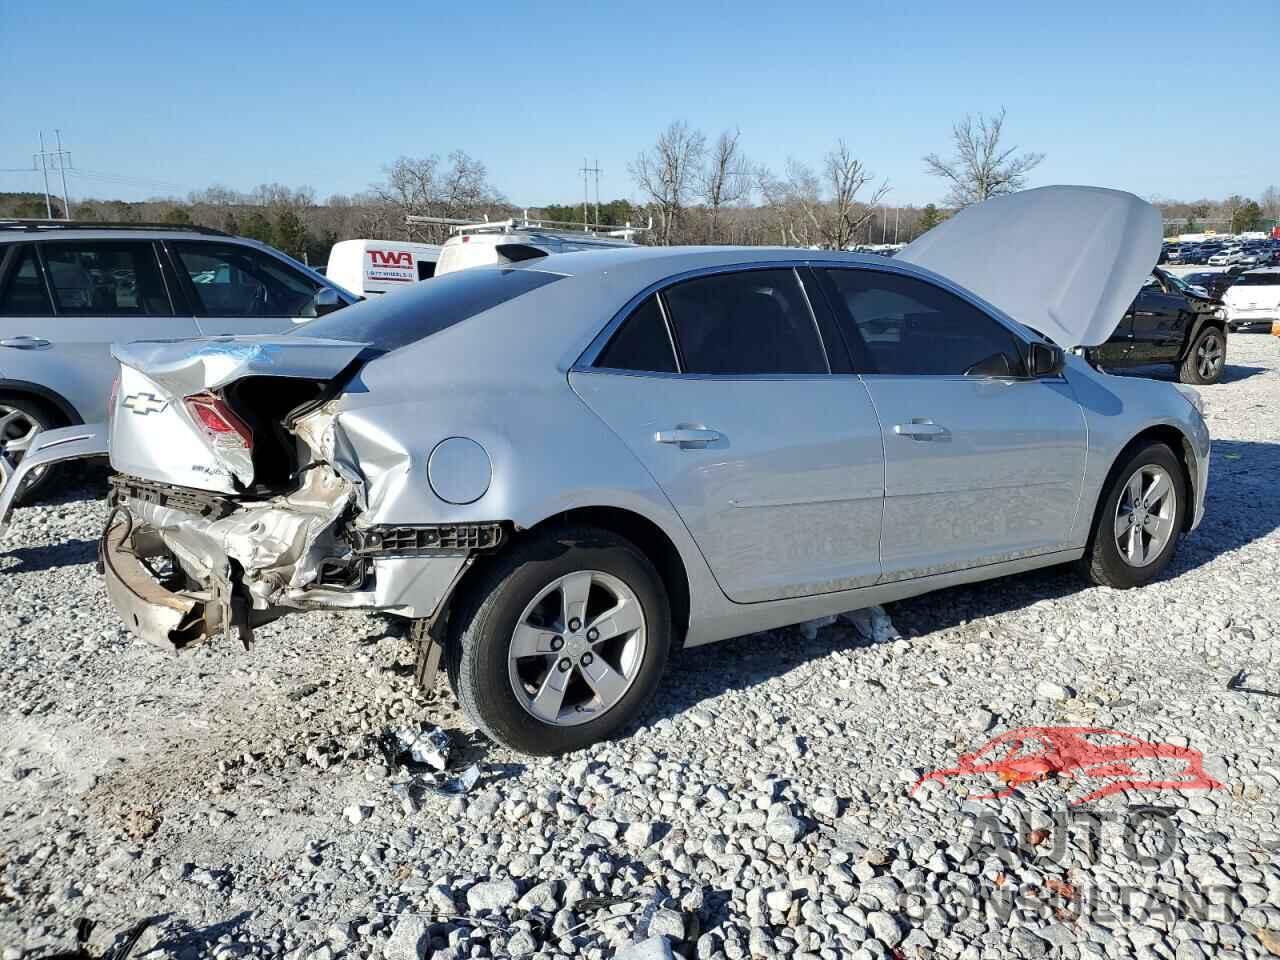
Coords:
695,189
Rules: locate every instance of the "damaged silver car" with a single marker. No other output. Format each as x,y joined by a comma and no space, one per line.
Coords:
562,471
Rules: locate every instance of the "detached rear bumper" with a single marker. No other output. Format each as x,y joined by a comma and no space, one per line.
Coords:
50,446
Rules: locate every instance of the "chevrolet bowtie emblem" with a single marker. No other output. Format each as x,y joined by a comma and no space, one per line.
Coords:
145,403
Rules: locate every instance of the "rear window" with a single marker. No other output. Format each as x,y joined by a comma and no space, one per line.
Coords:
413,314
1258,280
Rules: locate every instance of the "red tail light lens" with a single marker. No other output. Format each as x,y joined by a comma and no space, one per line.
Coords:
217,421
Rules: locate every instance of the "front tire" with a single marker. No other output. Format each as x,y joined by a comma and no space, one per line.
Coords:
561,641
1139,520
1206,359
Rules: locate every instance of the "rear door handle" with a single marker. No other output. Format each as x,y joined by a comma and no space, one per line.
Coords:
24,343
921,428
687,437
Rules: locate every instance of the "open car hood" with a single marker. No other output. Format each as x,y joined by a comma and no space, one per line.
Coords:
1066,261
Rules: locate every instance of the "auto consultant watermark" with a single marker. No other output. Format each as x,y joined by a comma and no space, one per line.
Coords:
1072,864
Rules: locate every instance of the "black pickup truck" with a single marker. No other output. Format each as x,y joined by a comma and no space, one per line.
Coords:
1169,323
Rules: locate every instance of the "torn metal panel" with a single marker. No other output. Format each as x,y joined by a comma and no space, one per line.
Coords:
185,367
49,447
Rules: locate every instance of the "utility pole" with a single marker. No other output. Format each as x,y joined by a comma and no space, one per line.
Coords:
44,166
585,171
63,159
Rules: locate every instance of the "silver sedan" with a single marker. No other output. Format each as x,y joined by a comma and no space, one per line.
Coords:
564,470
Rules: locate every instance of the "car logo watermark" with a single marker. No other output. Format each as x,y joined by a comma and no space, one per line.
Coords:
1109,761
145,403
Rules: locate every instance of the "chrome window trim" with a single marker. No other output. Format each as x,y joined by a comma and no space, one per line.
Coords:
587,358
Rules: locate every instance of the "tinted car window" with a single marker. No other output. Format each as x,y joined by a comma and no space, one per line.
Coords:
234,281
1258,280
641,343
106,278
24,294
753,322
389,323
899,325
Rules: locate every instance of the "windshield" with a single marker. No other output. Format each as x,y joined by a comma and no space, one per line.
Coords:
404,317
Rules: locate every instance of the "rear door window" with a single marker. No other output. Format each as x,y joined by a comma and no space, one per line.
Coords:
389,323
24,293
745,323
229,280
109,278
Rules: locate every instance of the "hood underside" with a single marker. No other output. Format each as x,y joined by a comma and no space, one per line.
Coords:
1066,261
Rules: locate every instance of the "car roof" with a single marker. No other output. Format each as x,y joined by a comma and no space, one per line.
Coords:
26,234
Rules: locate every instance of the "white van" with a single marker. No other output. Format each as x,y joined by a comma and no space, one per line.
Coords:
1253,298
516,239
371,267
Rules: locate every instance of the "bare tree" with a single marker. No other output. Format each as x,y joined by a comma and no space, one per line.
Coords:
665,172
981,168
1271,202
822,209
726,180
423,186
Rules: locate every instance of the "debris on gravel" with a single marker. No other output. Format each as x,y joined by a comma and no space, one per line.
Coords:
774,802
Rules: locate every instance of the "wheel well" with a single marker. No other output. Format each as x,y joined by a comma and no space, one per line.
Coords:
1175,440
652,541
20,390
644,533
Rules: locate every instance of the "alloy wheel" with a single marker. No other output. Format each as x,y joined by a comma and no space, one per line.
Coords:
18,429
1145,515
1209,357
577,648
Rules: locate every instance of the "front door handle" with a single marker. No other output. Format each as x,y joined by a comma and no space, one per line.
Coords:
687,437
921,428
24,343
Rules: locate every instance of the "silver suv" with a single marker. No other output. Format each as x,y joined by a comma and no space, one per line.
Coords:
69,290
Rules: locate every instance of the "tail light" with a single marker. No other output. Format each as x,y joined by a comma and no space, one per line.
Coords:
218,422
115,395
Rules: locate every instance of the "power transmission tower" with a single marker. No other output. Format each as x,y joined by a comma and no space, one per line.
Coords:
41,161
586,220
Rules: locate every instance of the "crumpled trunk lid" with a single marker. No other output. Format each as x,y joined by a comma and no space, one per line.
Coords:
155,435
1064,260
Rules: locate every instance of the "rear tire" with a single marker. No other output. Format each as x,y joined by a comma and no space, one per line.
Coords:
21,418
1117,555
1206,359
573,691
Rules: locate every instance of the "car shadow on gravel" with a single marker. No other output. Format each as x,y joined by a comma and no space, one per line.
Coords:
1241,472
1163,371
68,553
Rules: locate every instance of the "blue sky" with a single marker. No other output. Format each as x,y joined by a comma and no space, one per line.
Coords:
1167,100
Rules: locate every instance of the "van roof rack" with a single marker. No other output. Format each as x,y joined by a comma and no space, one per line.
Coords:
526,224
18,223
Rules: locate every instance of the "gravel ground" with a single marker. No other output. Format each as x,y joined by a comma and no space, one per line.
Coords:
238,801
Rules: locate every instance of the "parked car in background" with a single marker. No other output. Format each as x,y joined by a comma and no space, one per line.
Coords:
565,470
1254,298
1168,322
374,267
1214,282
69,290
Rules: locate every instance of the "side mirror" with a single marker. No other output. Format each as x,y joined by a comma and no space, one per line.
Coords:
1045,360
327,301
